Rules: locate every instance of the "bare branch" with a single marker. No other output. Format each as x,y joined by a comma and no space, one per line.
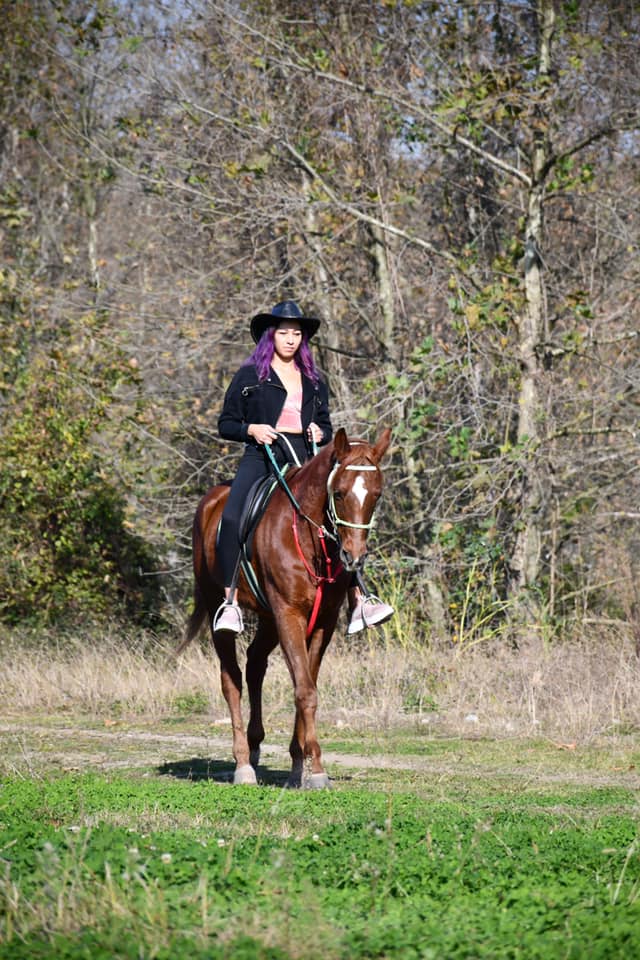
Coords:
366,217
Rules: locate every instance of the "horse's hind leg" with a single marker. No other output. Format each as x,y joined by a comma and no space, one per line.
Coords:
265,640
231,682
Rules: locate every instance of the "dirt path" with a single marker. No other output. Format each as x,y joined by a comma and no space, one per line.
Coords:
34,748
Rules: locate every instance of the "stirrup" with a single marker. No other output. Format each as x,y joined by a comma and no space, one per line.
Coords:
382,616
228,616
359,622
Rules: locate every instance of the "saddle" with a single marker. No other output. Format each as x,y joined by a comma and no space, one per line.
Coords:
257,500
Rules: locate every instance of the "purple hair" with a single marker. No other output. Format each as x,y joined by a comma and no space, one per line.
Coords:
263,355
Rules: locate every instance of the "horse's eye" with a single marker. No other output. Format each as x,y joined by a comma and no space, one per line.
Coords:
337,495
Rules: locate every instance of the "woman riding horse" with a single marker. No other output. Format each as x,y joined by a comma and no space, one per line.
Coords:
310,542
278,400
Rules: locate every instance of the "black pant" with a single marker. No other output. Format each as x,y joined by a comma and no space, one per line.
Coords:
255,463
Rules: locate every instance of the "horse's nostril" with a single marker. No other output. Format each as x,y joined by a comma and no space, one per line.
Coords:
351,563
347,559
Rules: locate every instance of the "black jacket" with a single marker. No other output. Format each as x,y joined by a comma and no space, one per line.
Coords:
247,401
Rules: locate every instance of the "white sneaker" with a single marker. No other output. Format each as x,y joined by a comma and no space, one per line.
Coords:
228,617
368,613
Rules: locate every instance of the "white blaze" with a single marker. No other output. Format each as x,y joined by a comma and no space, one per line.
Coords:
360,489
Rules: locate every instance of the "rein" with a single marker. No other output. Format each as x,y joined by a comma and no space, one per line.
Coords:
322,534
281,480
294,503
336,521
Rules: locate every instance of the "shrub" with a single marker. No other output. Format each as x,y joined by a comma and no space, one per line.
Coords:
67,545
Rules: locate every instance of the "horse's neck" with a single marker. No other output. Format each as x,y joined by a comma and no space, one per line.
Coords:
311,485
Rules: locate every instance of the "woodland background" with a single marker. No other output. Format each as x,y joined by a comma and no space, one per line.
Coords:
452,186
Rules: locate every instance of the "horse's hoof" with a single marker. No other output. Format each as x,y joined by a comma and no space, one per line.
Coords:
254,758
316,781
245,775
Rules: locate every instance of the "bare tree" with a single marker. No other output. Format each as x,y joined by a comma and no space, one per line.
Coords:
453,193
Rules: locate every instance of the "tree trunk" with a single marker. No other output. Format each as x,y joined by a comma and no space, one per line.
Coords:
525,559
332,360
386,328
387,333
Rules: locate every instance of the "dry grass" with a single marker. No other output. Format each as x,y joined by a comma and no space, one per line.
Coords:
569,691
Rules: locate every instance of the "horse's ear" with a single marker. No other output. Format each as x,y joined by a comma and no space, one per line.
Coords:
382,444
341,444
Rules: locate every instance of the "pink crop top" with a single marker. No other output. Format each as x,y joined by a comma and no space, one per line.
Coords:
290,419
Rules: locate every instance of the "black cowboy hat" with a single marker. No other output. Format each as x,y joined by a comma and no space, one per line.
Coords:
286,310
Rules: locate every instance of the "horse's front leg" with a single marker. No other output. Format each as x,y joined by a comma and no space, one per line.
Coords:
231,683
304,747
317,645
265,640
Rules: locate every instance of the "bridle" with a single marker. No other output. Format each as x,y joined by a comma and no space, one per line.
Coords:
332,513
331,575
331,501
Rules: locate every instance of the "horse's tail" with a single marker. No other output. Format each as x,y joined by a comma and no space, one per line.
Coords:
195,623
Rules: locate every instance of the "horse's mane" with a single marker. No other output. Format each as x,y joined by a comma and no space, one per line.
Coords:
298,477
324,460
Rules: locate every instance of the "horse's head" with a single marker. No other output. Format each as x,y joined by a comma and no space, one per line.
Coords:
353,488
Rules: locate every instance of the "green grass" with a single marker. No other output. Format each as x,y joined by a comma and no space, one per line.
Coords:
498,838
147,866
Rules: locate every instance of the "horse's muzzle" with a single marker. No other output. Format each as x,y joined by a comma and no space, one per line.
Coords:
351,563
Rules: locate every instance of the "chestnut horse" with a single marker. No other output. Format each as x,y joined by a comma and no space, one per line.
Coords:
306,547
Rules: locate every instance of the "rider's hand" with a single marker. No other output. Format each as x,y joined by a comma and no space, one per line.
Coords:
262,433
314,433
